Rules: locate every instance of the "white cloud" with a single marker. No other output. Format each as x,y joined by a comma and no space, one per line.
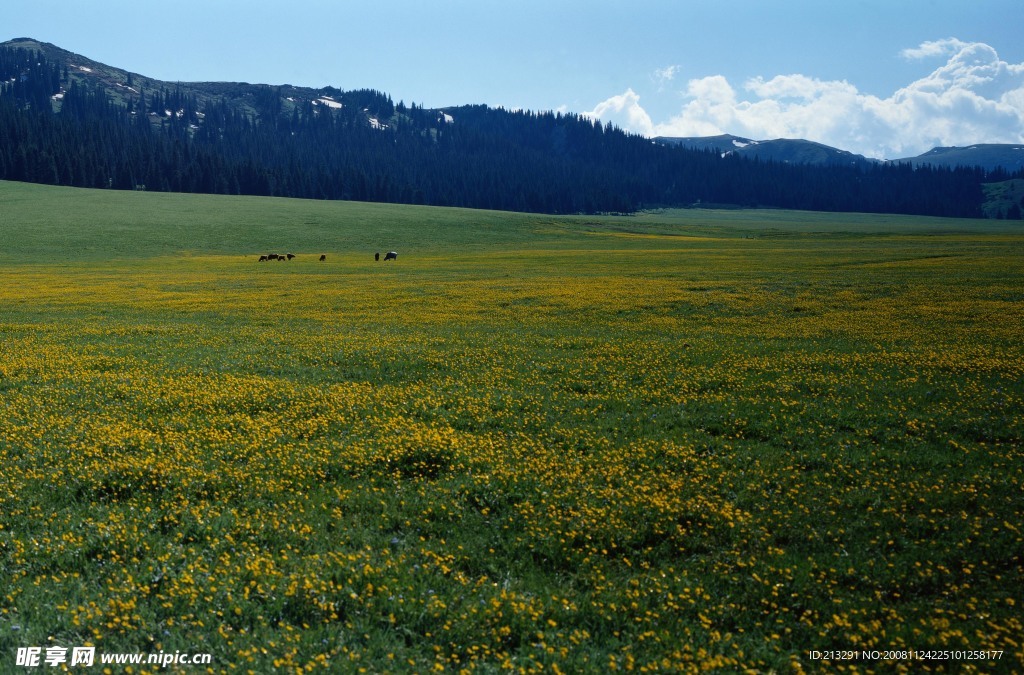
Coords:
626,112
974,97
665,75
798,86
933,48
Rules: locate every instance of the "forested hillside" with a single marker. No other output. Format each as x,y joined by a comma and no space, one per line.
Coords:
65,123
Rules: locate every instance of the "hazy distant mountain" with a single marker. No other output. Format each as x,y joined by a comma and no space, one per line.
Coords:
986,155
724,143
786,150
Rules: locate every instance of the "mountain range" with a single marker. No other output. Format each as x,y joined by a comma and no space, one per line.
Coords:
989,156
70,120
986,155
785,150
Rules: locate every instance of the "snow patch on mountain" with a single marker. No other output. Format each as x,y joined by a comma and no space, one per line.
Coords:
329,102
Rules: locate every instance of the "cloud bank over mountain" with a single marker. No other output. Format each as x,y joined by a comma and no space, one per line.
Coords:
974,97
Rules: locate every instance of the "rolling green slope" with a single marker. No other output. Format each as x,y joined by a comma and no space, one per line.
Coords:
45,223
1004,199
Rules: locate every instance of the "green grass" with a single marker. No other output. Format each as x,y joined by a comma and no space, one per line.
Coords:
674,441
1002,196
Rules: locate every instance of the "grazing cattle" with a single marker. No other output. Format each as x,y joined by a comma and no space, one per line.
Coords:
391,255
263,258
291,255
376,256
272,256
323,257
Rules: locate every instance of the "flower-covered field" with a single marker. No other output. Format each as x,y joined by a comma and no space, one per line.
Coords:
671,442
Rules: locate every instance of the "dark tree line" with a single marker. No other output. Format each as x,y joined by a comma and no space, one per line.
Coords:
360,145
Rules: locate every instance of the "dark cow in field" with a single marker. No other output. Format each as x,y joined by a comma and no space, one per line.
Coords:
376,256
263,258
391,255
272,256
323,257
291,255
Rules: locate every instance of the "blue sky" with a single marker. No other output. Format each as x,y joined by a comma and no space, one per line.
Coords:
886,78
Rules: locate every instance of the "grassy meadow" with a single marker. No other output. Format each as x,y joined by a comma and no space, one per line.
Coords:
676,441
